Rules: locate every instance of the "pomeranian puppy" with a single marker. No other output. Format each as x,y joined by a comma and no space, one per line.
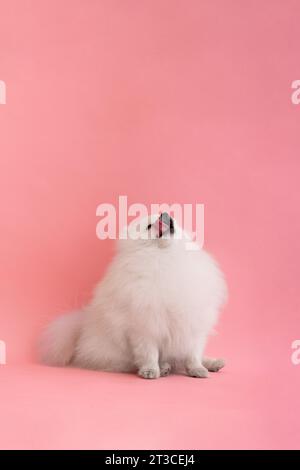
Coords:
152,312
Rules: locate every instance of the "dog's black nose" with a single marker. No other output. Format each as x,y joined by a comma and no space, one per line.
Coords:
166,219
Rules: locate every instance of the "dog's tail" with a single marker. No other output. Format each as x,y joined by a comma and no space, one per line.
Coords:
58,341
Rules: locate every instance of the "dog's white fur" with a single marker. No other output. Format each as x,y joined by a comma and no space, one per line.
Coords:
152,312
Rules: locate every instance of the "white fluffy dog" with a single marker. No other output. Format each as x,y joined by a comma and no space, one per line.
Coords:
152,312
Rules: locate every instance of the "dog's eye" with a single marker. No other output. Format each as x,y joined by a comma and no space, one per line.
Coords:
149,226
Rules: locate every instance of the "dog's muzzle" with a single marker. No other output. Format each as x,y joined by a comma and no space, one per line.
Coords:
165,224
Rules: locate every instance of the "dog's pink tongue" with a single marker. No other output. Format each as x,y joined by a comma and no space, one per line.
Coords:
160,226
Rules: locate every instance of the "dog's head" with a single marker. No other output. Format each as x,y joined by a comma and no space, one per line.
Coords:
162,226
157,230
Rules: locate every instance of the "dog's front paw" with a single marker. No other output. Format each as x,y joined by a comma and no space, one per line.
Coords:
216,365
165,369
199,372
149,373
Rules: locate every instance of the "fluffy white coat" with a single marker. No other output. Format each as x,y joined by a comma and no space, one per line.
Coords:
152,312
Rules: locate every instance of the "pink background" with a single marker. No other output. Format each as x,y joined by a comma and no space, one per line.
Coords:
163,101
